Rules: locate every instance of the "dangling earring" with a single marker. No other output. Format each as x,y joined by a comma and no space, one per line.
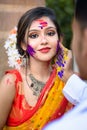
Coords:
24,58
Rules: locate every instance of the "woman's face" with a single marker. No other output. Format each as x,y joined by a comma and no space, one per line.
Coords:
42,39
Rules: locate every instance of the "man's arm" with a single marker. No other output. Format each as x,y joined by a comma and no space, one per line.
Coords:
73,120
75,89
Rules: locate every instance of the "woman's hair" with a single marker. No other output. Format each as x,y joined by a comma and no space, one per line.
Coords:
27,19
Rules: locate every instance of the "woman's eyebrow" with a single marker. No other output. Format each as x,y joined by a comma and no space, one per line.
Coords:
50,27
33,30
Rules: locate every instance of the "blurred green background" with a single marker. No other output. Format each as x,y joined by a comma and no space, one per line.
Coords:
64,10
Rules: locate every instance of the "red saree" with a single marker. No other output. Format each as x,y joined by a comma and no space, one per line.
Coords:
50,105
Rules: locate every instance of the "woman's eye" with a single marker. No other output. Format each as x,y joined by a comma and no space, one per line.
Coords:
51,33
33,36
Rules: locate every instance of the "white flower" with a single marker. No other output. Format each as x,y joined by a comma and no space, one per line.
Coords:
14,58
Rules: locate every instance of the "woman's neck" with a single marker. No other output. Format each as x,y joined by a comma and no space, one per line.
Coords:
40,70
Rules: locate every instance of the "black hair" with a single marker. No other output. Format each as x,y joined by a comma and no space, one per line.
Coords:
27,19
81,13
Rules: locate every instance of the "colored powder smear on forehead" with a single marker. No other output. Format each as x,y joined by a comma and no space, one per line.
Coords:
30,50
42,23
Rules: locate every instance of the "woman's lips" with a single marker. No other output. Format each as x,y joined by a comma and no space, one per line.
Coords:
45,50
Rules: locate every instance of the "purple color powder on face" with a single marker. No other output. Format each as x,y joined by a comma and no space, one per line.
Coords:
30,50
43,24
40,26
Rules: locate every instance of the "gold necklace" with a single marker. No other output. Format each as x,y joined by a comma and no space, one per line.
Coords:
36,85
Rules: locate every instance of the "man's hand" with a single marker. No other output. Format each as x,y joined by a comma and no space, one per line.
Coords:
68,68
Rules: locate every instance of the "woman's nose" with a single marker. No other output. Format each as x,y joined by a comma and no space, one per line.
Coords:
44,40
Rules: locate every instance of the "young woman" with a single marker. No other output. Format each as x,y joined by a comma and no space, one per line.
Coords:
31,95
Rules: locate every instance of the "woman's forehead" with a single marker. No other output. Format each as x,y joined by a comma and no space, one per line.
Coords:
42,22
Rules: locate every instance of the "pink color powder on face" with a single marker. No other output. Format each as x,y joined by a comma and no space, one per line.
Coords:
42,23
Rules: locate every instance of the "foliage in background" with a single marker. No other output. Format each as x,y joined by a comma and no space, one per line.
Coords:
64,10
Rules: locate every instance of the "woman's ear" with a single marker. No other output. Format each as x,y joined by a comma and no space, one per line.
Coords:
61,39
23,46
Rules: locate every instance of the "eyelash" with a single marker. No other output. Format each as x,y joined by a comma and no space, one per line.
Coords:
51,33
35,35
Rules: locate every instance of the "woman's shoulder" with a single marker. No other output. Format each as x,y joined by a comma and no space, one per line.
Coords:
7,94
7,86
8,79
14,74
11,77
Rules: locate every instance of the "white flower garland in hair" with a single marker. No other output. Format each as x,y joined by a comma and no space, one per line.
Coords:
14,58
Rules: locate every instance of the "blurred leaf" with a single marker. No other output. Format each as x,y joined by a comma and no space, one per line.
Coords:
64,10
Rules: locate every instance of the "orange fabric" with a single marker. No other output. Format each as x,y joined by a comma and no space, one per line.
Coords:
51,105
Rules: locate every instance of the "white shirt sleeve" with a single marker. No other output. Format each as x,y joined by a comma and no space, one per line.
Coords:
75,119
75,90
